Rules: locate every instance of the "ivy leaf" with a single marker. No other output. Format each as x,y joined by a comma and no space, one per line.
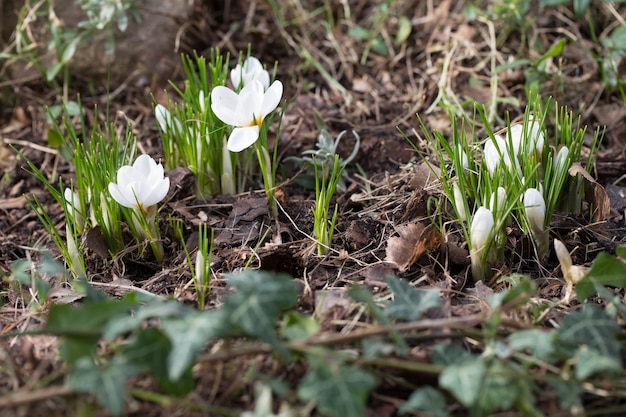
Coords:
426,399
408,302
337,389
569,393
189,335
107,382
448,354
605,270
590,361
540,343
147,349
361,295
592,327
593,333
259,300
463,379
157,309
81,336
502,388
296,326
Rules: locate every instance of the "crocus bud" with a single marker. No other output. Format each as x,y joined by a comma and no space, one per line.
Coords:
459,203
533,141
495,151
535,208
497,200
560,162
480,232
72,202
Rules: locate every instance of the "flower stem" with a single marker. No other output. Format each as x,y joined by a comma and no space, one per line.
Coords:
268,178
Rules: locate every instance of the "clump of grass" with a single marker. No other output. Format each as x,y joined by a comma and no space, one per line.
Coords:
513,177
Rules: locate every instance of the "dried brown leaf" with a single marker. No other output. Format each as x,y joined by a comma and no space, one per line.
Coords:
414,241
595,194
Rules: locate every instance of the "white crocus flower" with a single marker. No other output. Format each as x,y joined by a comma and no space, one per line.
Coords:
140,186
252,69
245,111
535,208
480,233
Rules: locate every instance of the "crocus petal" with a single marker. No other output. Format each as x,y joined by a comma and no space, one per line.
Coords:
481,226
118,196
224,102
250,106
535,207
242,138
491,153
143,165
561,160
272,97
157,194
163,116
459,204
497,200
516,136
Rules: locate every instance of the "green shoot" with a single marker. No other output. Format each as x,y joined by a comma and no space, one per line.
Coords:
325,187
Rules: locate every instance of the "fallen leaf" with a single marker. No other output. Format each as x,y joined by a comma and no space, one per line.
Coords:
595,194
414,241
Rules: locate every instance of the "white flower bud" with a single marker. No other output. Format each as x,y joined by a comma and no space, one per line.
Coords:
480,230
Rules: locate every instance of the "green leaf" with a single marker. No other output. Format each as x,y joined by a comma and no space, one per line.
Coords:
511,65
619,42
408,302
621,250
80,336
463,379
448,354
337,389
593,333
379,46
147,349
358,32
501,388
296,326
55,139
189,335
257,303
569,393
605,270
544,3
361,295
555,50
590,361
106,382
518,295
426,399
70,50
93,317
540,343
158,309
581,6
53,71
404,30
